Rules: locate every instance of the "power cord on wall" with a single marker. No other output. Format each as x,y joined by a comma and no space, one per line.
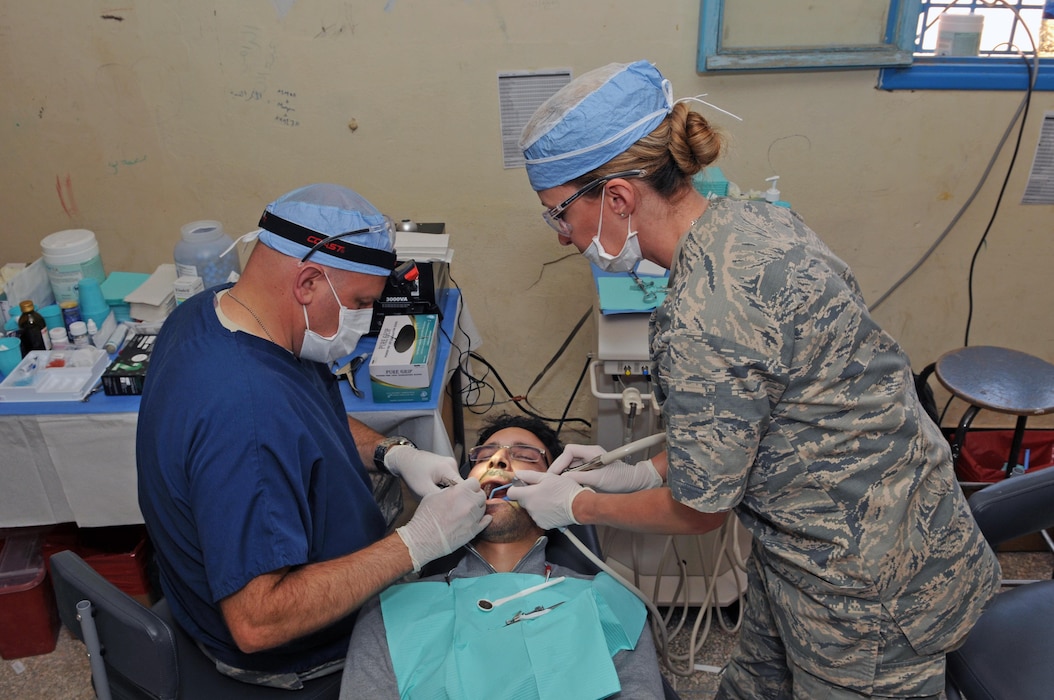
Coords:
1019,117
475,387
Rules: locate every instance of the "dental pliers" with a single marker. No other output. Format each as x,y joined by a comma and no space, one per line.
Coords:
348,372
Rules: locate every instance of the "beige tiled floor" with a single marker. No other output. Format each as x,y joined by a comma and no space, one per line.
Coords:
64,674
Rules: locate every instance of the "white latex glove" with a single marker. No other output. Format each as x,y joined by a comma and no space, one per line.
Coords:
620,477
547,498
573,455
444,521
423,472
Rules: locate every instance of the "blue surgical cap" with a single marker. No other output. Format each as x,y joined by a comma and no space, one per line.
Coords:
592,119
328,210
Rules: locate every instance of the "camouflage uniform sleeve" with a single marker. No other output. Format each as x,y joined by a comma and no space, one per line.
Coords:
718,400
722,345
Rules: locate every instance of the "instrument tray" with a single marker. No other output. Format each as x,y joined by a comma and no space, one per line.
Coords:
55,375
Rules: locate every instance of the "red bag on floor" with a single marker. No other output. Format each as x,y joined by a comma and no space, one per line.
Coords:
984,453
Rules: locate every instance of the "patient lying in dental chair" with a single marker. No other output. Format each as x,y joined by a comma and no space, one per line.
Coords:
583,636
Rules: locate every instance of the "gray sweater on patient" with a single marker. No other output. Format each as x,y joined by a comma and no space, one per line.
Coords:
368,671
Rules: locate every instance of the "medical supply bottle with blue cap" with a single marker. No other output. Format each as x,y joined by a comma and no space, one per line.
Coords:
203,252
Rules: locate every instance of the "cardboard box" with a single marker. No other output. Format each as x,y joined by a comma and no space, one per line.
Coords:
126,374
402,363
187,286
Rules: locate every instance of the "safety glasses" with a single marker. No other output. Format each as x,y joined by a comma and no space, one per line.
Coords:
554,216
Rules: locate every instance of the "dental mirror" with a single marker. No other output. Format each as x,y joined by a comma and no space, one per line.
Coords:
488,605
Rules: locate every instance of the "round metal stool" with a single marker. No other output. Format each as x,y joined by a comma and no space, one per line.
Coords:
1001,380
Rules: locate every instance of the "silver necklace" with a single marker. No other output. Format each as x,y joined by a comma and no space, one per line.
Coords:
246,307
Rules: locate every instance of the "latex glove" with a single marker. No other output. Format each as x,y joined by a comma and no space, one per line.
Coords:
547,498
620,477
423,472
573,455
444,521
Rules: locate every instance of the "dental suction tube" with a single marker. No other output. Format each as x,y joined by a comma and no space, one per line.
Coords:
618,453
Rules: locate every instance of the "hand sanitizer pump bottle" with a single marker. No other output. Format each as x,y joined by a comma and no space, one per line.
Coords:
772,195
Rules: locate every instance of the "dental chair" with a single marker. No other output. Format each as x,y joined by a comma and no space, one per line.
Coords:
1007,653
138,652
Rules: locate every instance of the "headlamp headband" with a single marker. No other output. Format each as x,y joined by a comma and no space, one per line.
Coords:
331,245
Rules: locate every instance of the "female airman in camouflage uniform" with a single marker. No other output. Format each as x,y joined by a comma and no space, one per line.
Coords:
783,401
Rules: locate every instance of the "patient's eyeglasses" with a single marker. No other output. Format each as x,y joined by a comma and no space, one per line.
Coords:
519,453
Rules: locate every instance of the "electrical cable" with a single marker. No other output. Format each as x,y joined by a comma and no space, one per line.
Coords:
574,392
560,351
474,387
704,617
955,219
518,400
999,200
1023,107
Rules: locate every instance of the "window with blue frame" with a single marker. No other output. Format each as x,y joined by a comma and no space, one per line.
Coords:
763,35
900,37
1006,57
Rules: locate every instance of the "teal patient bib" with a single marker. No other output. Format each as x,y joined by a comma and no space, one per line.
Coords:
443,646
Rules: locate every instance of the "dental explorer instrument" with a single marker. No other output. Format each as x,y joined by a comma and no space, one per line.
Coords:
503,487
617,453
488,605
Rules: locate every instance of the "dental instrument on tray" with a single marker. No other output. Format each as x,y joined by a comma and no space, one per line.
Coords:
531,614
488,605
618,453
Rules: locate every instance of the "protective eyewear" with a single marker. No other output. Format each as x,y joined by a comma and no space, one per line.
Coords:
554,216
519,453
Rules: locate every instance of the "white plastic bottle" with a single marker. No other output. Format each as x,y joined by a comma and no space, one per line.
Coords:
959,34
79,334
199,253
772,195
59,339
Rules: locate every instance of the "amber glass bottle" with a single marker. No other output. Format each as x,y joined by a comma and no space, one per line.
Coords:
32,329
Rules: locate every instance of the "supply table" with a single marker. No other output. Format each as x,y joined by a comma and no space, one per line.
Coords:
74,461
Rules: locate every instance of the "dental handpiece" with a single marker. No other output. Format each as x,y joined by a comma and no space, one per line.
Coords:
618,453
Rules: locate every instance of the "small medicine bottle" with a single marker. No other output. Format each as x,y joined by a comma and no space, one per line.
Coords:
33,330
79,334
59,340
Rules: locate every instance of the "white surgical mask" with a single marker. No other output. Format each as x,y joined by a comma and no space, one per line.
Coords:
626,259
353,324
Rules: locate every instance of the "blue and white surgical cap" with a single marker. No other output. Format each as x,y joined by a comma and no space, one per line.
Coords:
592,119
295,222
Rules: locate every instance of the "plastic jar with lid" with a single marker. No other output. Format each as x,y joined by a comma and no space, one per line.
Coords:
199,253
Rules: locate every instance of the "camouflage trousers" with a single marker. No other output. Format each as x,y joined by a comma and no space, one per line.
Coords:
766,664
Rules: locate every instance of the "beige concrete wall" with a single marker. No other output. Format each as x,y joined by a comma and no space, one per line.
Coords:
134,118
